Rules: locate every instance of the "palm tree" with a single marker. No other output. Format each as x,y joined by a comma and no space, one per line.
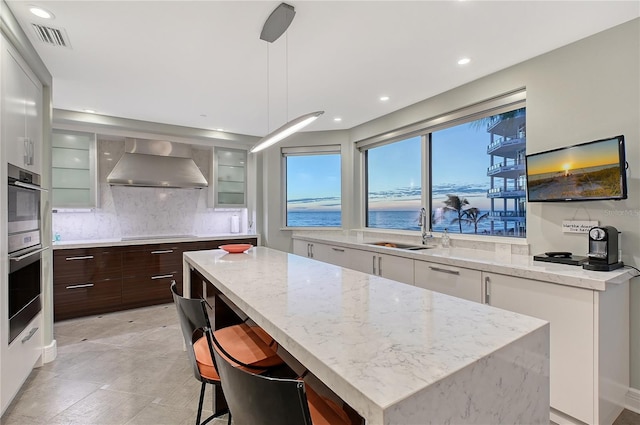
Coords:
473,216
456,204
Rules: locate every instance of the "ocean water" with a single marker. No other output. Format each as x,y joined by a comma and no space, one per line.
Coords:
402,220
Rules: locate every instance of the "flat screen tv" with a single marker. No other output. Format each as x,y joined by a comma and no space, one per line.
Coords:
585,172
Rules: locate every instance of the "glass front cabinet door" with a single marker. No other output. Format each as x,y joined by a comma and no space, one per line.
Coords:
74,169
230,178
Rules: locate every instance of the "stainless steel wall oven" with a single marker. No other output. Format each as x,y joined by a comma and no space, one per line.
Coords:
25,249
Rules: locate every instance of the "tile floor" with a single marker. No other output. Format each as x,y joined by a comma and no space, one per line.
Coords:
119,368
124,368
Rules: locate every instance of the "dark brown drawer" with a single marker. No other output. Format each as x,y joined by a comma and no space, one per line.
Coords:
86,265
152,261
76,300
138,291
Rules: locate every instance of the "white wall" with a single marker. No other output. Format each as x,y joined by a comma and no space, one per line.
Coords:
582,92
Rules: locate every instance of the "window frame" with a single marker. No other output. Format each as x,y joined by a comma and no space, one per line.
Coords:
285,152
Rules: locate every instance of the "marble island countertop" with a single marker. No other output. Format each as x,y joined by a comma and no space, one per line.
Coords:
394,352
497,261
143,240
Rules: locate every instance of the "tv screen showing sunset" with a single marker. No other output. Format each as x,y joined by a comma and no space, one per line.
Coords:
588,171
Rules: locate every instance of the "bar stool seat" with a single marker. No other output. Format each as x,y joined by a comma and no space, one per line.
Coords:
248,344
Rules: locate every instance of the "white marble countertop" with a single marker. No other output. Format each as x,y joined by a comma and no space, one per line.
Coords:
373,341
490,261
142,240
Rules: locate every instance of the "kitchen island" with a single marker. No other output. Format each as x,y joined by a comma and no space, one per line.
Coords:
395,353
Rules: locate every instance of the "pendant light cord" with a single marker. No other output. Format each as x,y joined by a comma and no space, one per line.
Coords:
286,74
268,93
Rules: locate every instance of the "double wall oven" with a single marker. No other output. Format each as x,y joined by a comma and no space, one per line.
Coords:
25,249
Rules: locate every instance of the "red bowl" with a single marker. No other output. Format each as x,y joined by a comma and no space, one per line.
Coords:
236,248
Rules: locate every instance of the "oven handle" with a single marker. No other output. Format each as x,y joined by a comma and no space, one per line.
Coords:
28,254
29,186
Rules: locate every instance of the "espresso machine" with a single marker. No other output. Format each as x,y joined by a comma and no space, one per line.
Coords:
603,249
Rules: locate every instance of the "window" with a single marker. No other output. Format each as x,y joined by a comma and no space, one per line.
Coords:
473,163
313,186
394,185
477,176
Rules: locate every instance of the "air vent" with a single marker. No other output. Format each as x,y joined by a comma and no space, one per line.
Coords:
51,36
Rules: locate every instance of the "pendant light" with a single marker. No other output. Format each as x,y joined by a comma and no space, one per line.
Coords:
275,25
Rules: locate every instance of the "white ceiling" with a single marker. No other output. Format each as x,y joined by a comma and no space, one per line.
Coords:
201,63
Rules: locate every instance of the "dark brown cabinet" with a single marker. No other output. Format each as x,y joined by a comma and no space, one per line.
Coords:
86,281
104,279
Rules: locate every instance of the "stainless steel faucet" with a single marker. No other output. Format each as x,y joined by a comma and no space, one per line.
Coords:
426,234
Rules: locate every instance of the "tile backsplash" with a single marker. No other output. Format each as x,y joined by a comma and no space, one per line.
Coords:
143,211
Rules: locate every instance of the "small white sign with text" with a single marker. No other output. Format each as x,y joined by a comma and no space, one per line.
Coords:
577,226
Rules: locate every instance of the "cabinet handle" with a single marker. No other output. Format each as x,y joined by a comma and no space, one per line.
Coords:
338,249
165,251
82,285
86,257
162,276
374,265
311,250
487,290
25,143
32,332
438,269
379,266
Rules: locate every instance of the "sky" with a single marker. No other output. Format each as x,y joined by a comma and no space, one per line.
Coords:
582,156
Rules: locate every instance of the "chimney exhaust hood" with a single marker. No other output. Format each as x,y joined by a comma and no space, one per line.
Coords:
156,163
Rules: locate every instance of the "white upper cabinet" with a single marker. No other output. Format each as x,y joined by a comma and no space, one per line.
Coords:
21,112
74,169
229,186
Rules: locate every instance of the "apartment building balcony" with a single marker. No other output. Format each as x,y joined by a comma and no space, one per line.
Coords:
519,216
507,147
499,192
509,171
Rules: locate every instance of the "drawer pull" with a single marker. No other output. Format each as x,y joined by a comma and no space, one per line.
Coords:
163,276
32,332
82,285
166,251
86,257
438,269
338,249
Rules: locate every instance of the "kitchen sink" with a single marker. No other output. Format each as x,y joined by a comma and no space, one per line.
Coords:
398,245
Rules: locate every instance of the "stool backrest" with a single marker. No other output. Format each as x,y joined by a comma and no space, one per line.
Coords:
194,322
260,400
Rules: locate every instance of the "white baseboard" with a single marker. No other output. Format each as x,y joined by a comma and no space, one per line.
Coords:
50,352
633,400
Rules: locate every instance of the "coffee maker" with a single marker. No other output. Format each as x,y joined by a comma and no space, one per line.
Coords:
603,249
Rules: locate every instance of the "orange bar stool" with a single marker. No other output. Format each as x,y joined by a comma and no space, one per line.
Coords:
247,347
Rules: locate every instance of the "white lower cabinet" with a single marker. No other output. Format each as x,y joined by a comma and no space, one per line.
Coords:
322,252
589,341
389,266
19,358
450,280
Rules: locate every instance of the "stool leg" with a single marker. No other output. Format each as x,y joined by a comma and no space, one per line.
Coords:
200,403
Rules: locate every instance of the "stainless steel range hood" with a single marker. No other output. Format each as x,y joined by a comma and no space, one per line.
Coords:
156,163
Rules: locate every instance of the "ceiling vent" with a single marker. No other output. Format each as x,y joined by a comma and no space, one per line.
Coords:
51,36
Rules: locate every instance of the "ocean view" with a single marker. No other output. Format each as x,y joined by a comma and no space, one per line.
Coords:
403,220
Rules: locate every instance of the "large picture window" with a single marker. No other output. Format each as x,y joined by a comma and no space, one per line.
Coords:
313,187
477,176
473,162
394,185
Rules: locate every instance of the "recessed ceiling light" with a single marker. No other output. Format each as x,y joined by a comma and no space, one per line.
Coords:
464,61
40,12
89,111
384,98
219,129
337,119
